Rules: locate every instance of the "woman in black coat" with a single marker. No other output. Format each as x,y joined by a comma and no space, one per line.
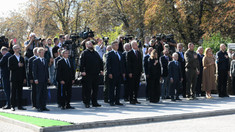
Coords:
154,68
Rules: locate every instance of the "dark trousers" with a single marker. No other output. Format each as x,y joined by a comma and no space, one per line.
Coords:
222,82
191,76
233,85
41,95
7,89
16,90
155,90
114,89
106,88
134,87
147,91
90,89
199,84
65,94
34,94
126,87
58,94
183,90
175,86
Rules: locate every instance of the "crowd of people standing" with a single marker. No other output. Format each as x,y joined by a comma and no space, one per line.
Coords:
169,71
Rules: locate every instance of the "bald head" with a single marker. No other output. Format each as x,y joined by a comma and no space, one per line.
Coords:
222,47
175,56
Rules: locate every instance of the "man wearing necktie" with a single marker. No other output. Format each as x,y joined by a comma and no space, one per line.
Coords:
30,77
182,62
115,73
65,77
41,77
134,70
164,60
175,77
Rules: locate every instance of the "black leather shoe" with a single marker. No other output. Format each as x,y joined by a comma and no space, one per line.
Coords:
112,104
168,97
177,98
96,105
12,109
69,107
132,102
40,110
106,101
21,108
226,95
62,108
45,109
137,102
6,107
118,103
126,100
87,105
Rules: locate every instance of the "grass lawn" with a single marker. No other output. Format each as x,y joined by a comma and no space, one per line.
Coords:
35,121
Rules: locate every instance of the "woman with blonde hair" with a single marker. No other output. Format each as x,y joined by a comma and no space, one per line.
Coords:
208,63
154,70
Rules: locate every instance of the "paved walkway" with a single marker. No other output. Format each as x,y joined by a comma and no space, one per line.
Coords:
143,110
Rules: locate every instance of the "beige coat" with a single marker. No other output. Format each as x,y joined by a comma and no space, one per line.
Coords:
208,74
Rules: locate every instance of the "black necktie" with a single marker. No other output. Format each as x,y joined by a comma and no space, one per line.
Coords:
43,61
67,61
117,55
136,53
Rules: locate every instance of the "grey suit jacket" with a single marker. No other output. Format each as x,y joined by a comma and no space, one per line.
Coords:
232,68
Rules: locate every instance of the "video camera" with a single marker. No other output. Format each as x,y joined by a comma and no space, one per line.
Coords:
127,38
106,40
87,33
170,38
2,39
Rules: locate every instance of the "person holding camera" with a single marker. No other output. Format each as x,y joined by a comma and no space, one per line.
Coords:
16,65
100,47
91,65
30,45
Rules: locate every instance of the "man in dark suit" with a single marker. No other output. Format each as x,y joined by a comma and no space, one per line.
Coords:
175,76
41,77
134,70
199,77
91,65
182,62
30,77
16,65
147,91
115,73
127,48
106,82
5,76
164,60
65,77
223,70
58,88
